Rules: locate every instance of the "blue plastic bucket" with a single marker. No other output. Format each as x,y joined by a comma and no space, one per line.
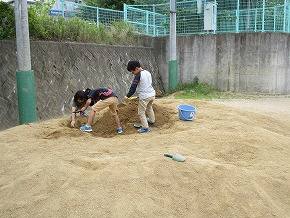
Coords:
186,112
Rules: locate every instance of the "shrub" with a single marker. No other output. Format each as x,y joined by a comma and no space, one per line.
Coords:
42,26
7,19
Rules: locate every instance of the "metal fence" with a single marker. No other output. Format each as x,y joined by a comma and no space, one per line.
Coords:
192,17
146,22
253,16
92,14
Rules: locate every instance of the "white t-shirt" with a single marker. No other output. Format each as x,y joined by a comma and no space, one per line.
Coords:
144,87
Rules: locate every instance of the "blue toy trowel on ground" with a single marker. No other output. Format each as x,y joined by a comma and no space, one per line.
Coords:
176,157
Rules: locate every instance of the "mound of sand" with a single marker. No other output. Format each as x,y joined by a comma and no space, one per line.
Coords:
237,164
104,125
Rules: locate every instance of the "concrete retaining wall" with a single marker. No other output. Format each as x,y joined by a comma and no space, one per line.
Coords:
61,69
249,63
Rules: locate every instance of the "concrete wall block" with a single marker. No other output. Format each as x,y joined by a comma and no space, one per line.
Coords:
282,60
161,52
226,61
61,69
247,83
250,59
268,42
268,84
281,81
250,42
247,62
268,59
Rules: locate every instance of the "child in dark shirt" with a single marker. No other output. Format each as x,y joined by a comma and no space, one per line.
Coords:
77,102
103,97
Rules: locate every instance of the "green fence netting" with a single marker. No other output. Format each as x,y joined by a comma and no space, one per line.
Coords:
192,17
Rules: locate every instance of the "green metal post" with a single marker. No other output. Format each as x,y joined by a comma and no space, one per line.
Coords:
62,8
172,75
125,9
284,18
238,16
154,21
147,23
26,96
288,18
263,16
98,16
172,68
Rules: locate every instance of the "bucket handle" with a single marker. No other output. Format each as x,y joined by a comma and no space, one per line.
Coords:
186,118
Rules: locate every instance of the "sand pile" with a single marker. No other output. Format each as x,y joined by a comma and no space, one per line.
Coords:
237,164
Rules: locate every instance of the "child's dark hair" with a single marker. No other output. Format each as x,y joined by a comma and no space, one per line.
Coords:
80,95
132,65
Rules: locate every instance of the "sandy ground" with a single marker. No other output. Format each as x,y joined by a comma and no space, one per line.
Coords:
237,164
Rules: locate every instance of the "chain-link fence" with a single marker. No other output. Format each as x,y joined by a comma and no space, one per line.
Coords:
192,17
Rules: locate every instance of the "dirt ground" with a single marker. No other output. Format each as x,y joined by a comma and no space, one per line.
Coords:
237,164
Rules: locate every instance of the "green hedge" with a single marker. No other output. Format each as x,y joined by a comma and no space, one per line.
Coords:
45,27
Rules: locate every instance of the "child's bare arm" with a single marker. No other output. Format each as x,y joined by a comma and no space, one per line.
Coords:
88,102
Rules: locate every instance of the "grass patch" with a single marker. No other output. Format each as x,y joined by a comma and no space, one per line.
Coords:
200,91
196,90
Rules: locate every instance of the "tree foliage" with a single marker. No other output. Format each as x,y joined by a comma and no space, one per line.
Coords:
118,4
42,26
7,21
112,4
37,17
45,27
